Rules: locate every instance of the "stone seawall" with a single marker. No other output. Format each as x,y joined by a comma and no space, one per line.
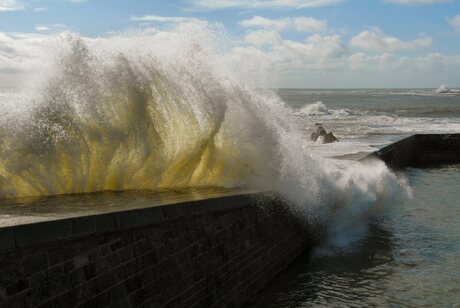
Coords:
210,253
421,150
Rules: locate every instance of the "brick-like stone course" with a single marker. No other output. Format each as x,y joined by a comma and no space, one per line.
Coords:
211,253
420,150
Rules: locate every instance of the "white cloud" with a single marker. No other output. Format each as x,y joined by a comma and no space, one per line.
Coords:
325,61
296,64
455,22
10,5
41,28
50,27
417,2
376,41
18,51
300,24
433,62
261,58
262,22
261,4
165,19
41,9
263,38
330,46
308,24
316,52
370,63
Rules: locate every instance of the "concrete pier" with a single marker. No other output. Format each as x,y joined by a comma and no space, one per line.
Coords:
204,253
420,150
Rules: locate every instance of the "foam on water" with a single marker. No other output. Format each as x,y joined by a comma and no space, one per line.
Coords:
320,109
160,111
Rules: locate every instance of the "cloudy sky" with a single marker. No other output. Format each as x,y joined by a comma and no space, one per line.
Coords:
299,43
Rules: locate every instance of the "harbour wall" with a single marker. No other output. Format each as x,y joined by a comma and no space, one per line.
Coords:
420,150
209,253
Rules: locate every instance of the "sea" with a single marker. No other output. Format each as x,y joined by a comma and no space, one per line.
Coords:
365,119
410,256
117,117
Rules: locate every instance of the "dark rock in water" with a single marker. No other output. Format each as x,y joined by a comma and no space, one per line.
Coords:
329,138
321,132
313,136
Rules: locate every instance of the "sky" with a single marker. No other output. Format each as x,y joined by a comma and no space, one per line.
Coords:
299,43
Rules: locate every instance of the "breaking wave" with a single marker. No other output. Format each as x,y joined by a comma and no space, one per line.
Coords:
155,111
320,109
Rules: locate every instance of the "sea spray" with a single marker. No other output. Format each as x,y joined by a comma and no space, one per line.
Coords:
124,121
160,111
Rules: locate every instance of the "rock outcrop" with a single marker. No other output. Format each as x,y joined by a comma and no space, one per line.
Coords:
320,134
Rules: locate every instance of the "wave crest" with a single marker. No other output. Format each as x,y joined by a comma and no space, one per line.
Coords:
320,109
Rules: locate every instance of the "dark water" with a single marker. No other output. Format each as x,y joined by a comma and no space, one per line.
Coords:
410,257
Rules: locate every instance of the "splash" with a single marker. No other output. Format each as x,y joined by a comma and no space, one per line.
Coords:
125,125
443,89
154,111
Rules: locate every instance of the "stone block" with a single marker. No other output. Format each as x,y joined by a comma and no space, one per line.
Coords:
6,239
35,263
83,226
39,233
106,222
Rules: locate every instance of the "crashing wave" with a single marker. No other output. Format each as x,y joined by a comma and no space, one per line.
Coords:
443,89
143,111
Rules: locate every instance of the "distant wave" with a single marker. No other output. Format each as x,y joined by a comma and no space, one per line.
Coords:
423,92
320,109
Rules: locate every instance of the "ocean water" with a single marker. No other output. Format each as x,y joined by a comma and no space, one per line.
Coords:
409,257
364,119
162,112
